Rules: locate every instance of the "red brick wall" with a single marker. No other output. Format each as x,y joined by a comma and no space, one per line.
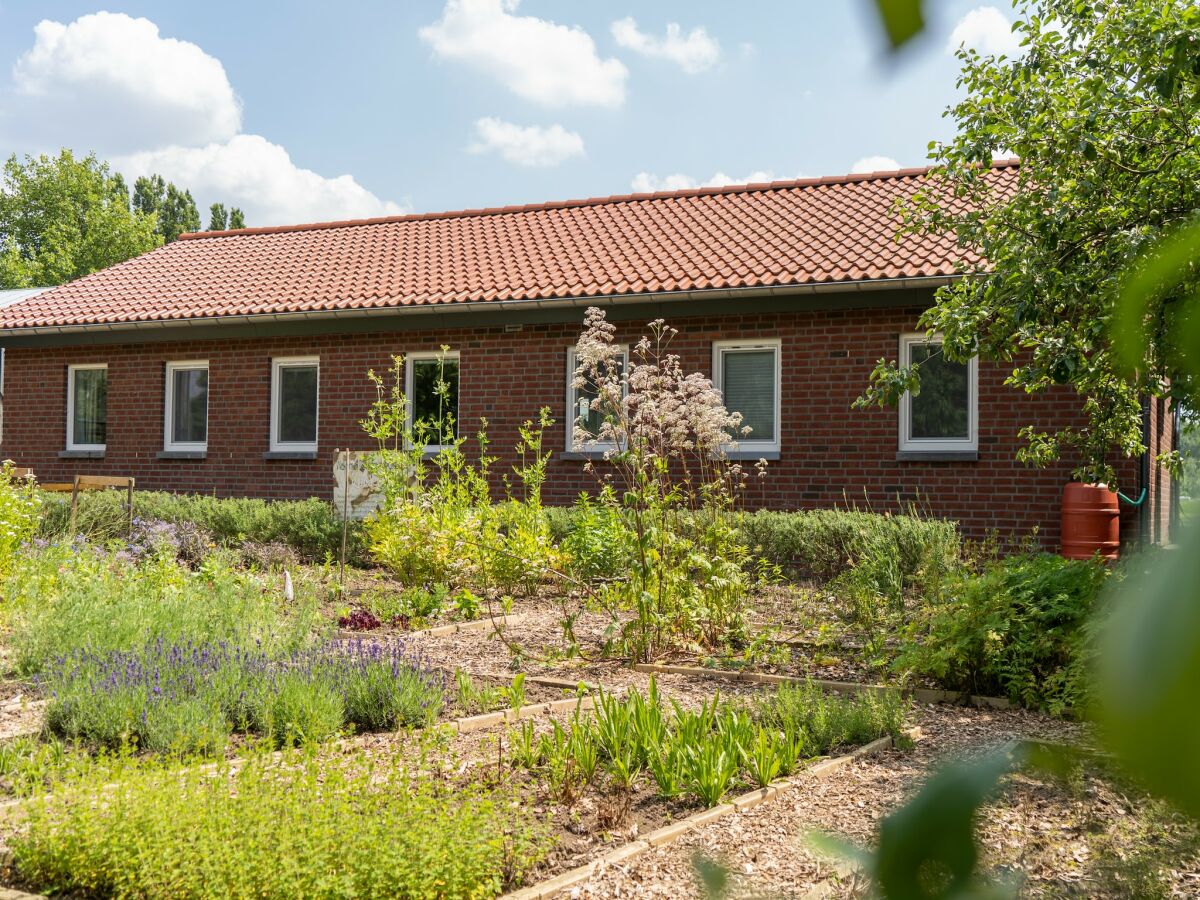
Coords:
831,454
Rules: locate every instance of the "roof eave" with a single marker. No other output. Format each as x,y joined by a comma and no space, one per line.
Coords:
859,286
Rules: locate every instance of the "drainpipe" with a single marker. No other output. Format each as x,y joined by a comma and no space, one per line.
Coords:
1144,476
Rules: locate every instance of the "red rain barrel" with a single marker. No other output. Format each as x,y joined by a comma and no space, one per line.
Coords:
1090,521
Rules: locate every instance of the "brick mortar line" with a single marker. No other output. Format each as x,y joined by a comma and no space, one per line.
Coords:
921,695
669,834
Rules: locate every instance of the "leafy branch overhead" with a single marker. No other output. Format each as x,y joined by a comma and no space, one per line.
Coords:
1102,106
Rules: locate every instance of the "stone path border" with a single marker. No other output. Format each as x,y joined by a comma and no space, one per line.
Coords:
921,695
668,834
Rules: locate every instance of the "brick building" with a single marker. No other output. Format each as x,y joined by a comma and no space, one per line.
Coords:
235,363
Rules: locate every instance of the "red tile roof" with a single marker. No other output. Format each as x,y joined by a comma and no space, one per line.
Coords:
805,232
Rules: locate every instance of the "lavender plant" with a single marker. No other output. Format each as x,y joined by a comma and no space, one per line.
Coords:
664,434
189,698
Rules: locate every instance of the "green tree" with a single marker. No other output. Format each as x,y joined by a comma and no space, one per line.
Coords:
174,209
1102,105
236,218
218,219
62,217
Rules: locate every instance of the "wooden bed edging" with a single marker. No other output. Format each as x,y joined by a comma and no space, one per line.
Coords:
668,834
483,624
921,695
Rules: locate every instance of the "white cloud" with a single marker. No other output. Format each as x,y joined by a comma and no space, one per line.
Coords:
693,52
874,164
554,65
112,83
530,145
260,177
987,30
646,182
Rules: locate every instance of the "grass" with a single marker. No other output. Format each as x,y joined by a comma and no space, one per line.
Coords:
348,826
66,598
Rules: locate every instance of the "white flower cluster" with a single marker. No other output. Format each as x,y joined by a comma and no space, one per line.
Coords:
654,408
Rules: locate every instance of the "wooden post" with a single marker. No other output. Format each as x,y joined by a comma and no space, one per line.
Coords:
345,454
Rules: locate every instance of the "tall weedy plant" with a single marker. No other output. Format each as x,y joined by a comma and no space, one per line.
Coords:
664,434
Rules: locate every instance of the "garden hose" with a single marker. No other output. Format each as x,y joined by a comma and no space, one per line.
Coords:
1138,502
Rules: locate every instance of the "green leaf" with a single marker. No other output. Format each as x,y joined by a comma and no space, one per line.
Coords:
1150,673
1168,263
903,20
927,848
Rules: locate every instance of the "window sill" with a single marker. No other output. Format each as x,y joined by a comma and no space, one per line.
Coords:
584,455
81,454
937,456
181,454
290,454
755,455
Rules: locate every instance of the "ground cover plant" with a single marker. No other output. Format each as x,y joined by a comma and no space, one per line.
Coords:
307,826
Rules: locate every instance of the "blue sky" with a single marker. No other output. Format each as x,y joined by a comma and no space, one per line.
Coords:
319,110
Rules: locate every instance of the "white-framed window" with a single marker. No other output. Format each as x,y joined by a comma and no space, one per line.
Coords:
430,410
748,374
295,390
579,404
944,415
185,409
87,407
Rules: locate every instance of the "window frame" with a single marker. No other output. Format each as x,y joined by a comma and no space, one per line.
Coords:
752,444
71,445
169,444
279,363
910,444
410,388
572,399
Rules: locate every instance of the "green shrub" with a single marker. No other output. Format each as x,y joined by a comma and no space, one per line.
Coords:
20,503
597,538
824,543
1017,630
309,827
311,527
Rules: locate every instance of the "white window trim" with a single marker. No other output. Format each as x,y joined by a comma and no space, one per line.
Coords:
71,445
282,362
410,386
572,415
752,444
169,407
935,445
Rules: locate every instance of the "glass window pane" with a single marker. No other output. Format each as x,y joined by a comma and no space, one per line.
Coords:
298,404
749,389
941,411
435,407
189,406
590,420
90,406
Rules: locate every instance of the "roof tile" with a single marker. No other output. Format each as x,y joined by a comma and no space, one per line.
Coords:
783,233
